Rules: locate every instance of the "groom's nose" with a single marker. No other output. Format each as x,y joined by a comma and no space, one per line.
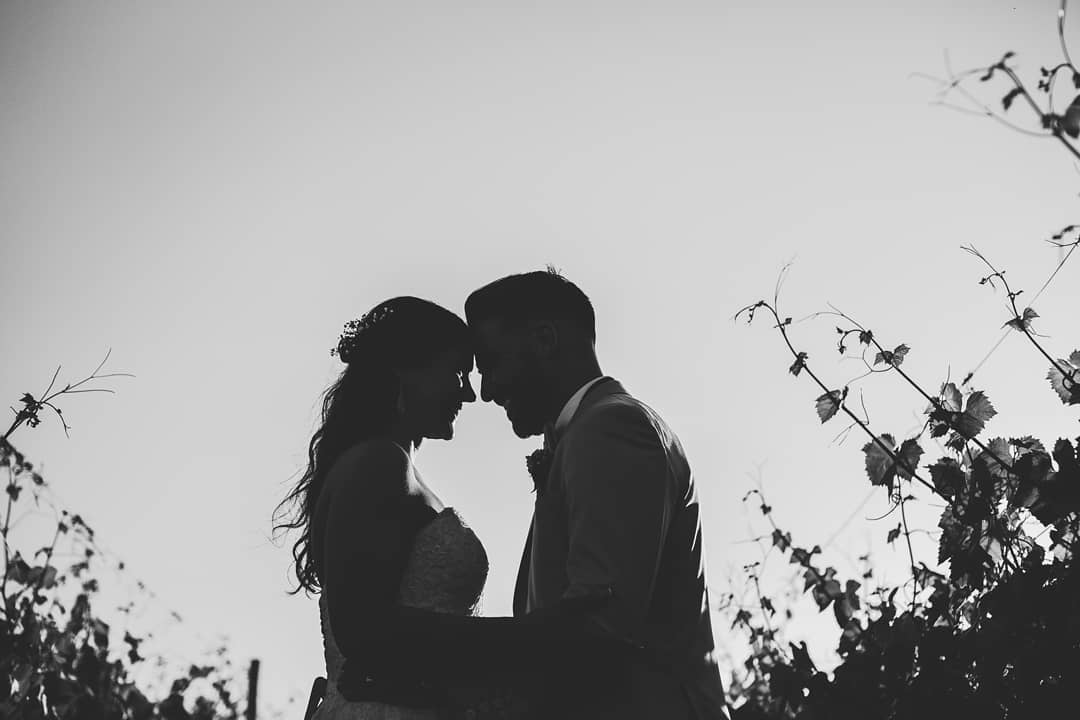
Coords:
467,393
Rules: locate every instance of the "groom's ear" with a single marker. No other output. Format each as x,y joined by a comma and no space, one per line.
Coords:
545,338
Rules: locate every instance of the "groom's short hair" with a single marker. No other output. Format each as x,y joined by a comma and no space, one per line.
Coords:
517,299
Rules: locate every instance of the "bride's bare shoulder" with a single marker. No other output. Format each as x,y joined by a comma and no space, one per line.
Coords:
372,467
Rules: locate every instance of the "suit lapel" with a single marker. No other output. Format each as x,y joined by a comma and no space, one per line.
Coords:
607,386
521,587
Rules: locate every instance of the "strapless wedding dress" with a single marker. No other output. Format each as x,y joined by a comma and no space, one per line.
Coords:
446,572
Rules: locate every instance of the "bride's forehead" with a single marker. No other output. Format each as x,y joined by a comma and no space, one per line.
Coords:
459,357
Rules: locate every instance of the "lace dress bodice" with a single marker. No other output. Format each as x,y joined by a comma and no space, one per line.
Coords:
445,572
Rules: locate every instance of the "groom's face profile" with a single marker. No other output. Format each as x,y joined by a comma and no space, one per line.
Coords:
512,376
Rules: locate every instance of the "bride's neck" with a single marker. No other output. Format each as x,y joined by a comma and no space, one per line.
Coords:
405,441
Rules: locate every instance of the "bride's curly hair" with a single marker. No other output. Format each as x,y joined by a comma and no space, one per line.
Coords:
400,333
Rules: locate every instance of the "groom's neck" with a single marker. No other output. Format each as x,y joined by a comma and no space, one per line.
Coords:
568,383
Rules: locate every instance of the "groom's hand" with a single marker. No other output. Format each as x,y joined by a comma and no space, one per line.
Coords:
586,665
577,607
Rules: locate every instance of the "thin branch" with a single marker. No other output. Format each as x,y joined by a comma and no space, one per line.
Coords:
761,604
986,357
1022,326
1072,248
934,401
1057,269
52,382
911,554
841,405
1061,34
32,406
87,390
889,512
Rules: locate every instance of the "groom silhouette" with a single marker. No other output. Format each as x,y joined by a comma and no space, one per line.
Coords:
616,505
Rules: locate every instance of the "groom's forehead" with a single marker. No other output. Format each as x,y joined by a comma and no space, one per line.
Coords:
491,332
492,338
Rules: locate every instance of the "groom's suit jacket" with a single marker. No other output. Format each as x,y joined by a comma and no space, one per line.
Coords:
619,509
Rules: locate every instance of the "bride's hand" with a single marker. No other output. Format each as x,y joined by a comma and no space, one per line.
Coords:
574,607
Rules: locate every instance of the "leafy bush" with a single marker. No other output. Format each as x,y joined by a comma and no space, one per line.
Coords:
58,657
991,628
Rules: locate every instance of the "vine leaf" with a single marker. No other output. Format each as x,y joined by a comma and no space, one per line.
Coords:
1022,322
879,460
1032,472
781,539
847,603
960,544
828,404
1010,96
1034,557
1022,445
802,556
1068,460
801,659
826,588
133,653
991,545
971,422
1050,494
882,466
1070,121
910,454
998,458
951,413
892,357
948,477
1067,386
1064,537
953,535
45,576
799,364
951,399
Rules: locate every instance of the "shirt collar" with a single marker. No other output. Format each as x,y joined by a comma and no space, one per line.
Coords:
571,406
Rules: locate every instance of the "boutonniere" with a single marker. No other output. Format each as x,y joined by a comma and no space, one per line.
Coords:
538,464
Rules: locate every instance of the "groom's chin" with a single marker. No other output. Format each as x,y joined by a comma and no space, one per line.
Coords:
444,433
526,430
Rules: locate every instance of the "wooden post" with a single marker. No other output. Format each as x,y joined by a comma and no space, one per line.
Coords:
253,690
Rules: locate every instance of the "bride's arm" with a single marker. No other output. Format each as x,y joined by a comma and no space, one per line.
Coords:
370,525
370,529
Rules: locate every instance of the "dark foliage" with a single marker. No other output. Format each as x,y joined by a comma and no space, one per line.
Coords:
58,658
991,627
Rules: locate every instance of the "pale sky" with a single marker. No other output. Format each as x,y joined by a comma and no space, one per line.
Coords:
212,190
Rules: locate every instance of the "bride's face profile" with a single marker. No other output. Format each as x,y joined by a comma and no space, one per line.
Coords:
432,396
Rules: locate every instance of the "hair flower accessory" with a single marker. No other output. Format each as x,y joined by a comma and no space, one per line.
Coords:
538,463
355,328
